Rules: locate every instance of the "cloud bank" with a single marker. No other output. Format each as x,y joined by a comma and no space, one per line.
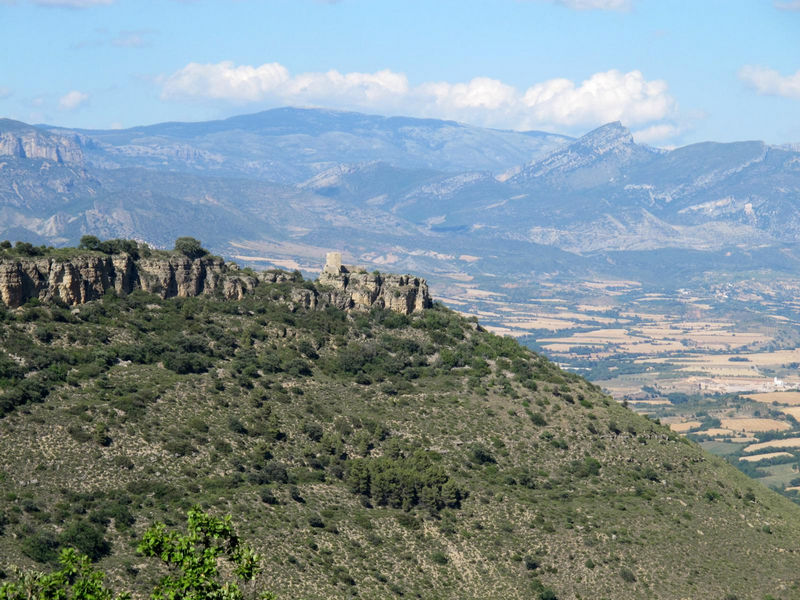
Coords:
769,82
554,104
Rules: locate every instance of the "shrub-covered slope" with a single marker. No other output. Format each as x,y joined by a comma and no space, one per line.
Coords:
365,454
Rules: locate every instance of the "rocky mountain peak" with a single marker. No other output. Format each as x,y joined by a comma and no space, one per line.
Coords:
607,138
608,148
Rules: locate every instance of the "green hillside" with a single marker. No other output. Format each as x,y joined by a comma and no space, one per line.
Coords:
364,454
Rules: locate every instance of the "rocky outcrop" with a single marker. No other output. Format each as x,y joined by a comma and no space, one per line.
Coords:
88,277
183,277
32,143
353,288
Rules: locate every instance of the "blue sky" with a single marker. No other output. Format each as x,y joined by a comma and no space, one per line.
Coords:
673,71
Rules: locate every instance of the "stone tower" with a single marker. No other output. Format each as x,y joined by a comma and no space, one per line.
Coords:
333,263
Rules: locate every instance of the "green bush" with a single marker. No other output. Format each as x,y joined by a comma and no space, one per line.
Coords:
190,247
87,538
40,546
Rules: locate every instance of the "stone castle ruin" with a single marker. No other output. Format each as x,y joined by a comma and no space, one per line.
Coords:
353,288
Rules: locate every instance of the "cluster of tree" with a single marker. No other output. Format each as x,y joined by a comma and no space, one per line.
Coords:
401,480
187,246
24,248
192,558
115,246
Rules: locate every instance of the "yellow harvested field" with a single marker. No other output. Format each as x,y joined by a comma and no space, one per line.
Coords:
787,443
541,323
658,402
470,292
732,371
684,427
790,398
504,331
563,348
598,336
611,284
594,308
652,347
792,411
766,456
718,432
580,317
754,425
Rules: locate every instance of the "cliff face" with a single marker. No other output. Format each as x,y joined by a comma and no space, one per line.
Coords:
35,144
353,290
88,277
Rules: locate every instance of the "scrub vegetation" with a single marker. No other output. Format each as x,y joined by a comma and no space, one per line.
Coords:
362,454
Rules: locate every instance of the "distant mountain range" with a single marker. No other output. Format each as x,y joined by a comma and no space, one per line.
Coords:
438,197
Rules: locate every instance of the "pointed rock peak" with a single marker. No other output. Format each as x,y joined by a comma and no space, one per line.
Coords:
608,137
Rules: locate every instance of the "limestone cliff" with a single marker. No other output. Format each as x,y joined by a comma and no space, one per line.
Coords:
88,277
33,143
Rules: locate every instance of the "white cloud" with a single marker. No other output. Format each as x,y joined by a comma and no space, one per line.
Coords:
608,96
553,104
132,39
788,5
224,81
617,5
657,132
481,92
72,100
597,4
72,3
5,92
769,82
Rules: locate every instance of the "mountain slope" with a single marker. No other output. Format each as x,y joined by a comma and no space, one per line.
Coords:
366,454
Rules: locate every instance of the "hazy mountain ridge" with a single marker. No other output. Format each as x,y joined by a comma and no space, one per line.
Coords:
292,183
289,145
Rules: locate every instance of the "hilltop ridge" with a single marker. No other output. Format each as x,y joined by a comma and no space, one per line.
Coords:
78,276
365,453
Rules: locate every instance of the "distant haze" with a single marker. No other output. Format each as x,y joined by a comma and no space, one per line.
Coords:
673,73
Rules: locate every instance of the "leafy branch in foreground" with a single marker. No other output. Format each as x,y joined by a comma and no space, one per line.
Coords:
76,580
193,557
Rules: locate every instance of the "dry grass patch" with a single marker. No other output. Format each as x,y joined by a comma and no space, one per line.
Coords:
792,411
658,402
789,398
754,425
719,432
541,323
685,426
766,456
787,443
